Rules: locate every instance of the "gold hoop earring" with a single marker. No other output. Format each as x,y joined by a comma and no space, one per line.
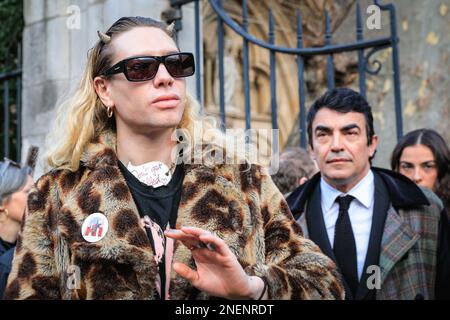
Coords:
6,212
109,112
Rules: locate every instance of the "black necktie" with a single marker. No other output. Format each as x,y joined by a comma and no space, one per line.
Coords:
344,244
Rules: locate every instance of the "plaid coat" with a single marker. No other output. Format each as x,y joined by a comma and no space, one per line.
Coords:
410,238
243,207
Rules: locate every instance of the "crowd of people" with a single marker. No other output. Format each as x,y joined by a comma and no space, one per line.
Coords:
123,216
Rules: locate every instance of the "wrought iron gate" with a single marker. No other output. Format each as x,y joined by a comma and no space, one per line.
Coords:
11,110
364,48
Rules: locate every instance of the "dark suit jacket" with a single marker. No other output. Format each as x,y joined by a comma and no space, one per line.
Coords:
409,239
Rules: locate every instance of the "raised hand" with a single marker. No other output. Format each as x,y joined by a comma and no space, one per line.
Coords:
218,271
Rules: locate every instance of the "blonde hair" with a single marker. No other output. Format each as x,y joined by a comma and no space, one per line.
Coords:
82,118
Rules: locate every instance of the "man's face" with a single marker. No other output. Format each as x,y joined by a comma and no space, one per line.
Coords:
17,203
147,105
339,147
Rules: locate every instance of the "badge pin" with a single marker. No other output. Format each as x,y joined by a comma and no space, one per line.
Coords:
94,227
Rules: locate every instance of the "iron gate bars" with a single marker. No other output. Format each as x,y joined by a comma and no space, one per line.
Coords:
5,79
361,45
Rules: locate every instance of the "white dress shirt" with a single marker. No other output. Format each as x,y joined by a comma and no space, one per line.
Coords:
360,213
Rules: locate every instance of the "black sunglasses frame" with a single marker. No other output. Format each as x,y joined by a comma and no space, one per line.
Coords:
120,67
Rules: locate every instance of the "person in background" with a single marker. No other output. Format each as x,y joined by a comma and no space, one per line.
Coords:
295,168
423,156
289,176
15,184
303,157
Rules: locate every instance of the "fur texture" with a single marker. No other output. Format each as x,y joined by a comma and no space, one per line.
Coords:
243,207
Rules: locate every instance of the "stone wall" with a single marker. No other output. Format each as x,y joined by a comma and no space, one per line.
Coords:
55,52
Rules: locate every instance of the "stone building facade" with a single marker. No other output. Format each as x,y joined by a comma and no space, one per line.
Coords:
55,46
56,39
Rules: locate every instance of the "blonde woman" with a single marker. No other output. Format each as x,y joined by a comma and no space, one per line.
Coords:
120,218
15,185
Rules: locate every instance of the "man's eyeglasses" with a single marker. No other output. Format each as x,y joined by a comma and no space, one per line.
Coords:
179,65
5,164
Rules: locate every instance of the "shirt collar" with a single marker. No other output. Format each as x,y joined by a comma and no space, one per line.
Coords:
363,192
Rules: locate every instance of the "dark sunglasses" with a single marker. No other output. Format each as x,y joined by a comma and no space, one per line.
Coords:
179,65
6,163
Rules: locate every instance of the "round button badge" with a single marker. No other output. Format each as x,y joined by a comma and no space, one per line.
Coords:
94,227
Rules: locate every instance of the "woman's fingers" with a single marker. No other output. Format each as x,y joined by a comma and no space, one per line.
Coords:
193,230
179,235
196,238
186,272
188,239
213,242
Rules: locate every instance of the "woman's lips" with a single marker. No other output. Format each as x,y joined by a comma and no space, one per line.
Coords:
166,101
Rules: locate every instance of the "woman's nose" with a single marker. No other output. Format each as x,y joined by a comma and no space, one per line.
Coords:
162,76
417,175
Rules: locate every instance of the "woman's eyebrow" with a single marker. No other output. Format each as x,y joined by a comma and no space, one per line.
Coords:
148,54
161,53
173,51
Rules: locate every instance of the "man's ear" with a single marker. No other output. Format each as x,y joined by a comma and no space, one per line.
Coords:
101,86
373,145
311,151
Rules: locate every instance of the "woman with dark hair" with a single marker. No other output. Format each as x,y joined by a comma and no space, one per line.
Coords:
15,183
423,156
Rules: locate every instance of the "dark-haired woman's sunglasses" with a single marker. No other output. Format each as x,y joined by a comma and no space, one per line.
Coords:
179,65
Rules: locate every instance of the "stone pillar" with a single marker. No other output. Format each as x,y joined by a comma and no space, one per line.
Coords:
56,39
186,41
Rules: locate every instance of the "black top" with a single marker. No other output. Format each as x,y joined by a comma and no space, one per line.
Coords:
159,204
5,246
6,257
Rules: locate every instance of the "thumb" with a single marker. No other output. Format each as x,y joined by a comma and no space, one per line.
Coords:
186,272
